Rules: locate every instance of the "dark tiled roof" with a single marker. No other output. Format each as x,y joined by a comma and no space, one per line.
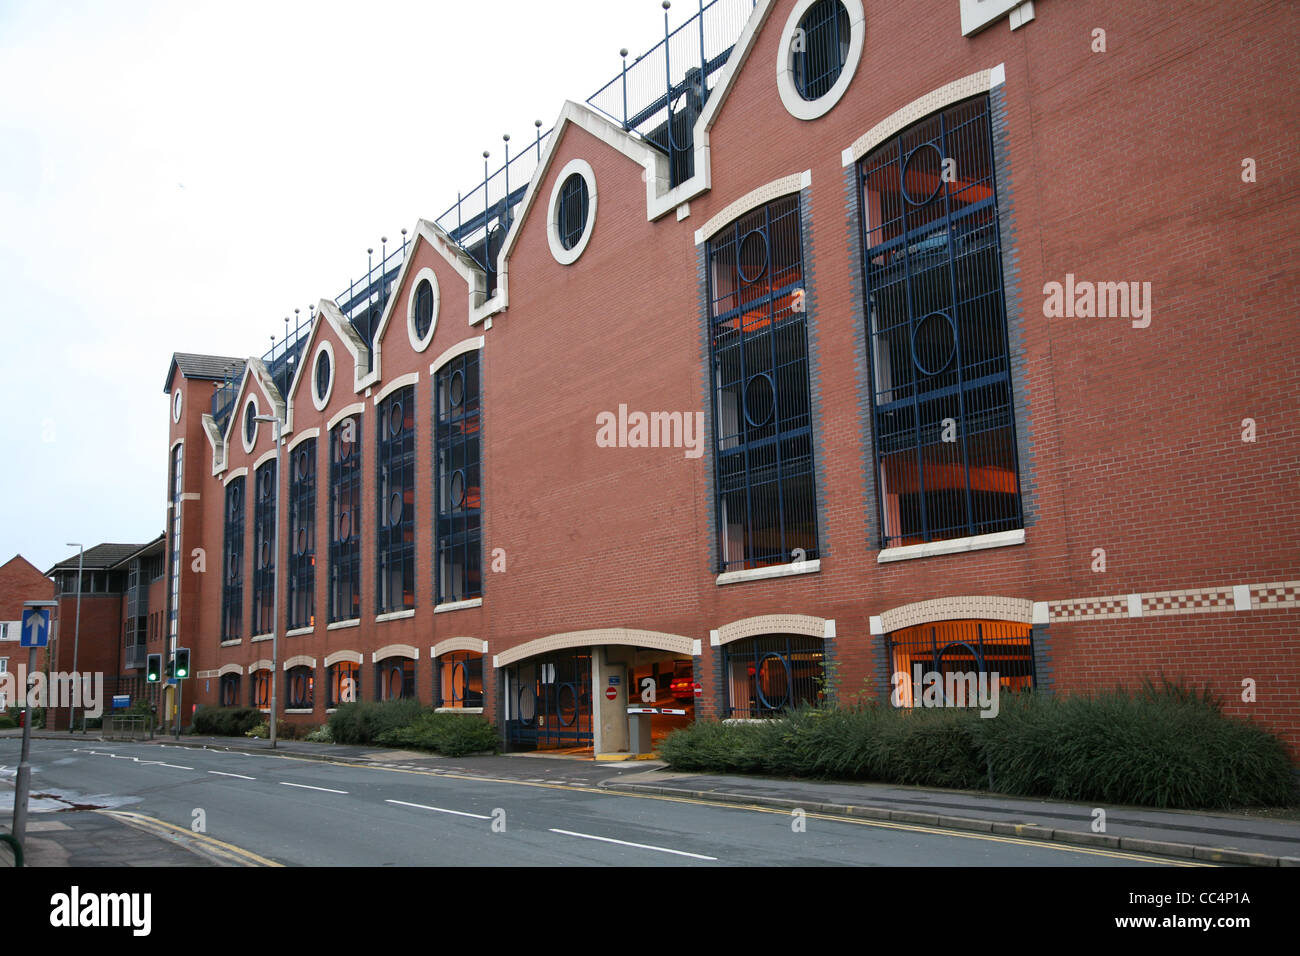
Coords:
98,558
156,546
210,367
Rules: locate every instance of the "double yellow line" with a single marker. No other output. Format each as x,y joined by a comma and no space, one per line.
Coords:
226,854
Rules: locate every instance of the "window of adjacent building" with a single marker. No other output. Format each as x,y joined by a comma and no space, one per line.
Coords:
343,683
302,535
345,525
960,648
229,690
232,574
395,505
945,443
458,437
766,494
821,48
773,673
298,683
460,679
264,526
261,687
395,678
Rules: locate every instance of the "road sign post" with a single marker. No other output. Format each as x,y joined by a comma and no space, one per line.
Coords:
35,633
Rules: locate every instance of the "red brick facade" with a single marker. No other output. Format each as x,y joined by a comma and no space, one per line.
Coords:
1122,165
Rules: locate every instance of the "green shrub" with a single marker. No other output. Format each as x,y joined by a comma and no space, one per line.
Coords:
226,721
363,721
321,735
262,730
1161,746
452,735
7,722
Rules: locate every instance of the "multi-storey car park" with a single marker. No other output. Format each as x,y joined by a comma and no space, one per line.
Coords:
830,338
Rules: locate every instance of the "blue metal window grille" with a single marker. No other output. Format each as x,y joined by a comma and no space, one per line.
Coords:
944,433
395,507
395,679
298,688
759,363
962,647
174,545
344,684
460,679
302,535
458,498
572,211
345,523
322,375
771,674
260,688
232,575
264,538
423,308
823,48
229,690
549,702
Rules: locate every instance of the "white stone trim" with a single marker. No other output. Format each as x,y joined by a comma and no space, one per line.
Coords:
395,650
715,638
1135,605
876,625
189,496
457,605
979,542
340,625
225,669
804,624
796,105
460,348
395,615
472,644
298,710
829,632
563,256
243,416
354,409
260,637
301,437
263,459
262,665
410,378
753,200
241,472
417,343
655,640
1241,597
320,401
177,401
776,571
234,642
969,607
1040,614
299,631
919,108
350,657
458,710
300,660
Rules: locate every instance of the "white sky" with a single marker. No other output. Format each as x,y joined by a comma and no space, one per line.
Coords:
181,176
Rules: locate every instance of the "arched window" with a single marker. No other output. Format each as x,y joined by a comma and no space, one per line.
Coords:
232,576
229,690
460,679
302,535
458,445
395,504
344,684
959,651
261,689
266,545
298,683
772,673
395,678
345,520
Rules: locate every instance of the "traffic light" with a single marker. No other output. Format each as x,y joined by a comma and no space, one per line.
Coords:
153,669
182,663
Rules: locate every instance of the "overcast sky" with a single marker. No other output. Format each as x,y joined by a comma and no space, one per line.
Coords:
181,176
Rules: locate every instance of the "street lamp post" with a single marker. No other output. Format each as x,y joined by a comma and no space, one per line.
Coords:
76,635
275,550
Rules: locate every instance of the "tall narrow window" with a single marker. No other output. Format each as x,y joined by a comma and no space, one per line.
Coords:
344,683
458,447
174,544
759,348
395,505
345,527
232,575
302,535
265,545
944,433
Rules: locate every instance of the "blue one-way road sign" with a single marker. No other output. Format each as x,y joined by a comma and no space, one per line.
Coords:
36,627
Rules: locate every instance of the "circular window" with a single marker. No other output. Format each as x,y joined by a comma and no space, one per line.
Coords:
176,406
323,376
422,310
250,425
395,418
572,212
815,64
456,388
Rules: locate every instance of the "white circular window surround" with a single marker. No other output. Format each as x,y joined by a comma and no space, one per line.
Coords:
562,255
250,411
176,405
317,399
424,275
795,104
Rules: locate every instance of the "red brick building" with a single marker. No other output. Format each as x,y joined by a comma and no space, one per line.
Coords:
20,581
878,336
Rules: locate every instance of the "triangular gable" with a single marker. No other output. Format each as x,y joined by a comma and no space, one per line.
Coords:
441,242
217,441
328,311
255,371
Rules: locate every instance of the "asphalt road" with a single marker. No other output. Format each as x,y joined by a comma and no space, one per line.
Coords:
313,813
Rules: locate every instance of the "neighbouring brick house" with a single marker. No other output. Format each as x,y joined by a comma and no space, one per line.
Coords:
20,581
877,336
